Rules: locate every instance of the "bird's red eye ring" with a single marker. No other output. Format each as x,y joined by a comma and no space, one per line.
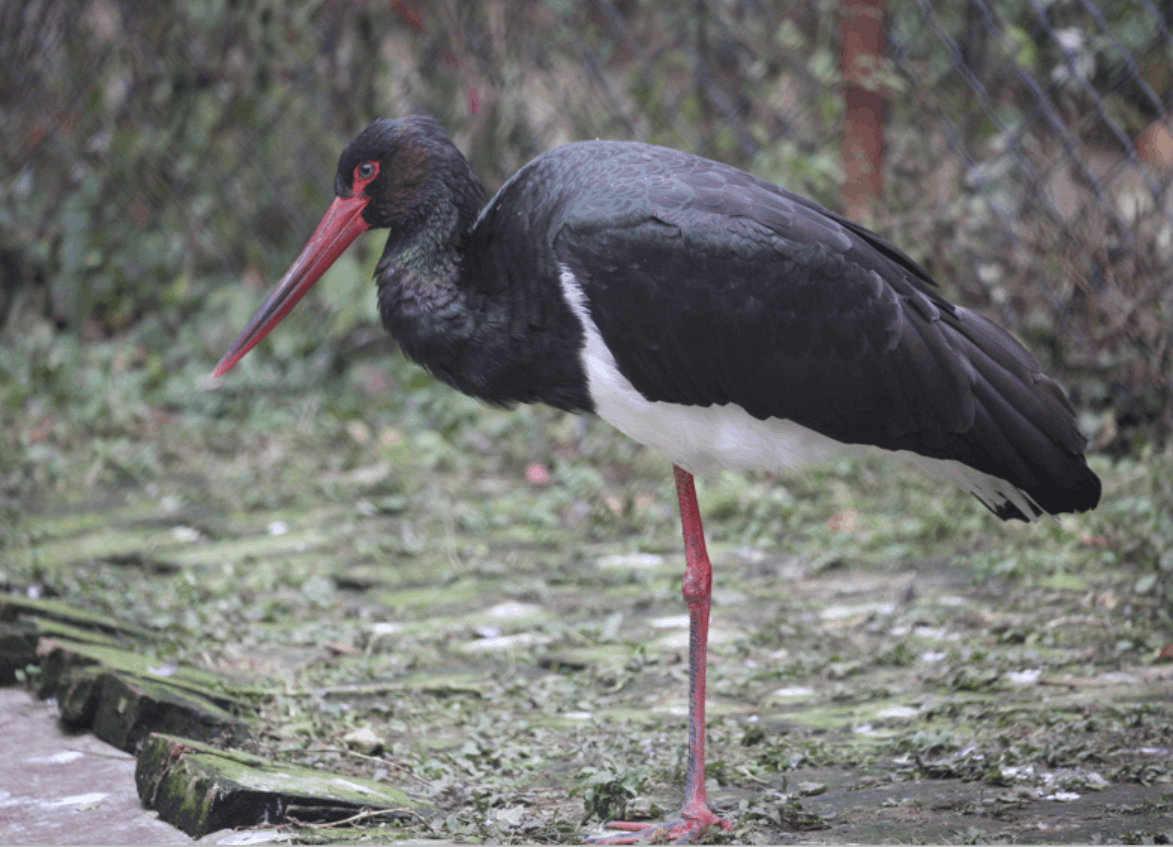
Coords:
363,174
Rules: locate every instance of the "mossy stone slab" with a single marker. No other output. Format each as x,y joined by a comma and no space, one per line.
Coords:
106,544
86,518
201,789
61,656
602,657
260,547
14,608
114,692
130,708
53,628
18,649
77,696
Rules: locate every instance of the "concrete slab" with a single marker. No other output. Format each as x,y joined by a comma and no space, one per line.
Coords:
59,788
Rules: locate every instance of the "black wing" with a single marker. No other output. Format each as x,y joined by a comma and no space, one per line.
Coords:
711,286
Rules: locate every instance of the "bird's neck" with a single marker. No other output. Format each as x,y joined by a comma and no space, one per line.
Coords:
479,306
421,300
418,261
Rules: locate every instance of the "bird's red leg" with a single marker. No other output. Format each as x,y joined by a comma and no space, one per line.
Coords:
696,816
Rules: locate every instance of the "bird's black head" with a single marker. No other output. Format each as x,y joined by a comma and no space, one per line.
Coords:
407,167
405,175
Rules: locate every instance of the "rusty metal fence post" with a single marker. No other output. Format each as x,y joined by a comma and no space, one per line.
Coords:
862,45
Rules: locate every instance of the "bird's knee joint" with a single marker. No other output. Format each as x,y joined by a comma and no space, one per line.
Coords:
695,589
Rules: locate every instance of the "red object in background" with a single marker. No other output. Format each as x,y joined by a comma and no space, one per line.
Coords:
410,16
843,520
1155,145
863,136
41,430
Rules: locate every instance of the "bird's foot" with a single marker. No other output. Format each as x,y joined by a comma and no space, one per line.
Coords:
684,830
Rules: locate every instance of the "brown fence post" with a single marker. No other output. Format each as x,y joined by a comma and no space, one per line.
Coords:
863,136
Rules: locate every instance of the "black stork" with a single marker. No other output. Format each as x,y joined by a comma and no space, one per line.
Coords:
713,316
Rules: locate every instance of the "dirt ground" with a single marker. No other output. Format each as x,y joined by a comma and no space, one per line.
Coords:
887,664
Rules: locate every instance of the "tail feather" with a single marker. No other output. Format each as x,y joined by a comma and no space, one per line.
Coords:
1024,428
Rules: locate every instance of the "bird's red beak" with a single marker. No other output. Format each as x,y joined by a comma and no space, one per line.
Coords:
342,224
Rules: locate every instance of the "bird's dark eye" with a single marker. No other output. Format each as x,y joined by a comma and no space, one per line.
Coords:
366,170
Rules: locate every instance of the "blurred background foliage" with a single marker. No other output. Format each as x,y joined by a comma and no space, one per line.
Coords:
163,162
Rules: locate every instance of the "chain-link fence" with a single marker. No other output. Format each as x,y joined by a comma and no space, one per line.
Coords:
155,152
